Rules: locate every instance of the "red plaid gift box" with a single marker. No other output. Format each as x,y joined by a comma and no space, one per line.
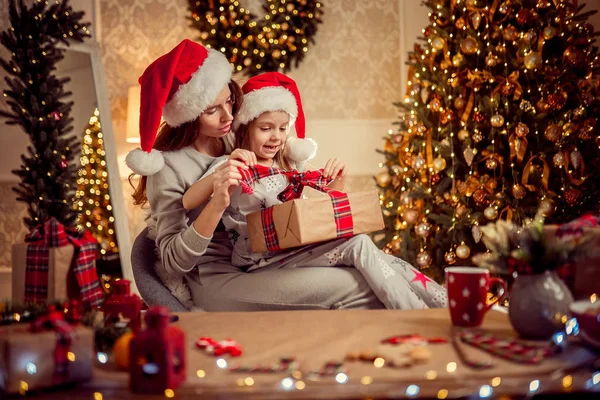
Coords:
56,264
298,222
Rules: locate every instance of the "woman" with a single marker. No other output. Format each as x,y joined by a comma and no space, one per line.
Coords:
191,88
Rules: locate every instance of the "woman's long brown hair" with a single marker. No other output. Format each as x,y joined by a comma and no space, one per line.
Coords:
242,141
174,138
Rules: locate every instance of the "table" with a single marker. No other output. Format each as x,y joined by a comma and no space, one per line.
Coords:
315,337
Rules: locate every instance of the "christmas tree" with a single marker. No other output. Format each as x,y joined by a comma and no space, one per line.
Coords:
34,97
92,201
499,120
92,195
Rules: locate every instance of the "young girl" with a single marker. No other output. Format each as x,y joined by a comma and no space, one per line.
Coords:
271,107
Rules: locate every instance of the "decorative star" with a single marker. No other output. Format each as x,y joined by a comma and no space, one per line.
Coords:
482,282
452,303
479,306
419,277
466,292
466,317
451,279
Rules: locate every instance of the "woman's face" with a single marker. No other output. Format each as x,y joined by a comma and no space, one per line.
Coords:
267,134
216,120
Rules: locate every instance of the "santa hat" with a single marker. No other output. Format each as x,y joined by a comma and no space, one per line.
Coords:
273,91
178,86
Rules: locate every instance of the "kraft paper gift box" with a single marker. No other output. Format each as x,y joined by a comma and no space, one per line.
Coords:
62,283
27,359
306,221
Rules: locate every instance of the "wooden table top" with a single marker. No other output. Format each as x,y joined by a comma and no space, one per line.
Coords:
315,337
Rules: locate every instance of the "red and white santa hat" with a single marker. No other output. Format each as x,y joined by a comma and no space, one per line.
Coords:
273,91
178,86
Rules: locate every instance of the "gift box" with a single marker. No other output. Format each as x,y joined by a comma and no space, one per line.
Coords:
56,264
583,276
35,360
304,221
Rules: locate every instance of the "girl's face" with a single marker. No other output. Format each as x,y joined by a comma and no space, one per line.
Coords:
216,120
267,134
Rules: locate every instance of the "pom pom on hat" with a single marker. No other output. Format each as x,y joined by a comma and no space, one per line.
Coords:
144,163
300,151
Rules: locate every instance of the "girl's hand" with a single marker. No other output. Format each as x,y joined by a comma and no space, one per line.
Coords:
335,169
245,156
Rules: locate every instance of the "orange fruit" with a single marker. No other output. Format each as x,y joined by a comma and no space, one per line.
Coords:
121,350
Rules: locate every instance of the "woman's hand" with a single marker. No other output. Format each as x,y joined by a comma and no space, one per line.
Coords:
245,156
226,178
335,169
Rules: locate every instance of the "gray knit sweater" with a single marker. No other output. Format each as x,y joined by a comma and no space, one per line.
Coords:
181,247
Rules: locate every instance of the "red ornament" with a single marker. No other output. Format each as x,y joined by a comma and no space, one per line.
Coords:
414,339
123,305
56,115
157,355
478,117
219,348
63,164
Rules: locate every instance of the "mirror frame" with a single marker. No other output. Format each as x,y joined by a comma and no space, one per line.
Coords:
112,165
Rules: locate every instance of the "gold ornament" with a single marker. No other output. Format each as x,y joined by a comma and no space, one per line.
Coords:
549,32
436,104
576,158
504,8
519,191
553,133
477,233
446,116
491,163
410,215
460,23
574,57
423,229
438,43
383,179
477,136
481,197
547,207
459,103
450,257
439,164
497,120
533,60
469,155
469,45
559,160
510,33
491,60
526,105
424,259
463,251
522,130
476,20
490,213
458,60
463,134
418,163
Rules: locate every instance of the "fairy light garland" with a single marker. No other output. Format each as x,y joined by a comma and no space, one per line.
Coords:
277,41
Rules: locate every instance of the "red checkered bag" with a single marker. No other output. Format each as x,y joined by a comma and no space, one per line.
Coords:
297,182
54,234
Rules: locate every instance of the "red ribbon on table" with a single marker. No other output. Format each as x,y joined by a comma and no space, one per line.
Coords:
54,234
55,321
297,181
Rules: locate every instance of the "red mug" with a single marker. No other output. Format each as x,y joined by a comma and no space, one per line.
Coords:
467,294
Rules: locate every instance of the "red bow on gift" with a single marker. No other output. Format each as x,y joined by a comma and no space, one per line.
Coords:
297,181
55,321
54,234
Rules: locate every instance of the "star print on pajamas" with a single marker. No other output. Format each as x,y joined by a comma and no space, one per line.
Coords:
385,268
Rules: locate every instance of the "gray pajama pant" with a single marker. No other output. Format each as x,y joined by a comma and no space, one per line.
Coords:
395,282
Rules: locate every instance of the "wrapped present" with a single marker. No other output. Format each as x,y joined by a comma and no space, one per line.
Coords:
298,222
56,263
48,352
583,276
